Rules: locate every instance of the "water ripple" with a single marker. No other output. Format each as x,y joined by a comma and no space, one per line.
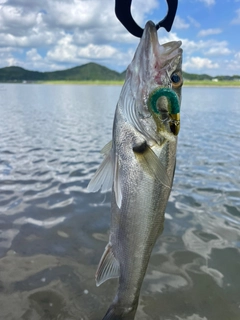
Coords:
53,232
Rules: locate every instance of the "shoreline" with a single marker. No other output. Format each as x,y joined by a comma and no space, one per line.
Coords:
194,83
187,84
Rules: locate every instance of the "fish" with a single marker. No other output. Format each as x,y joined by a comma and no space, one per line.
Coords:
139,165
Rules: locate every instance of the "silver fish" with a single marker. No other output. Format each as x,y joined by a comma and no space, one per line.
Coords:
139,166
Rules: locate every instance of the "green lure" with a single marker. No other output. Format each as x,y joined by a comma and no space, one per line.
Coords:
169,94
173,107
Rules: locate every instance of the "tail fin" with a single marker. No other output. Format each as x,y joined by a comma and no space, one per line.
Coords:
111,315
114,314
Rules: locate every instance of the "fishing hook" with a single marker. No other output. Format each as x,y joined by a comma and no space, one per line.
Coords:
123,13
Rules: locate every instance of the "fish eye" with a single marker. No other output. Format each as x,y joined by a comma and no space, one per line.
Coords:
176,80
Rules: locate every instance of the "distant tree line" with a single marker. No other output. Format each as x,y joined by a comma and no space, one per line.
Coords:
90,71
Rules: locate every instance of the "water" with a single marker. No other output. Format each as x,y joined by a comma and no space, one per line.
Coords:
53,233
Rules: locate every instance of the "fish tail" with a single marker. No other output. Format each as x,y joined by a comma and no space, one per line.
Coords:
114,313
111,315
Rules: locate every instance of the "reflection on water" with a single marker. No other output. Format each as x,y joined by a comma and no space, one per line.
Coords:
53,233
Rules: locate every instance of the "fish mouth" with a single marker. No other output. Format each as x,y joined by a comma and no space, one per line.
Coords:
150,39
154,56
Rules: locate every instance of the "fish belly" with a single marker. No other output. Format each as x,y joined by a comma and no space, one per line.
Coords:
135,228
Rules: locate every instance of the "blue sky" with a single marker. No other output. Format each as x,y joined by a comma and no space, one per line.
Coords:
49,35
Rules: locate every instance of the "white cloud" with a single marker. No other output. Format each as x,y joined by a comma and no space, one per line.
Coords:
11,61
221,67
208,2
216,51
33,55
37,23
233,65
15,21
198,63
237,55
97,52
207,32
28,40
69,32
72,14
194,22
141,8
57,34
179,23
67,51
237,19
7,56
210,47
8,60
205,47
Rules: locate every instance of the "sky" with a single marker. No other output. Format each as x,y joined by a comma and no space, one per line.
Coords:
49,35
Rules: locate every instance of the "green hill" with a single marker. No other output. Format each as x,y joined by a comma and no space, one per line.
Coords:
87,72
193,76
10,74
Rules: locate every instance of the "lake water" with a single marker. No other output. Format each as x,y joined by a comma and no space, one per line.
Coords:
53,233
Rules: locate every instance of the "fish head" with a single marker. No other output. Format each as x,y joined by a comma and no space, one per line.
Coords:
154,80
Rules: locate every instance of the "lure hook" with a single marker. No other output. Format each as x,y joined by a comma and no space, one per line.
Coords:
123,13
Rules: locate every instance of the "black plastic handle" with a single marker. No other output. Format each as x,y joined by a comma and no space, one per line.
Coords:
123,13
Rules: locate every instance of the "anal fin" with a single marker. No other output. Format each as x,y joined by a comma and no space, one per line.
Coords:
108,266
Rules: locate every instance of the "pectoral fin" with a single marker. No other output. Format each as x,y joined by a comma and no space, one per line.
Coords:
108,266
106,149
154,165
103,177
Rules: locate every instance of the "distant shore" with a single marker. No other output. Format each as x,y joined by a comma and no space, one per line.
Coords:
86,82
209,83
192,83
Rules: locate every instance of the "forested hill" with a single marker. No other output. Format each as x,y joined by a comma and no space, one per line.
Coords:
87,72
